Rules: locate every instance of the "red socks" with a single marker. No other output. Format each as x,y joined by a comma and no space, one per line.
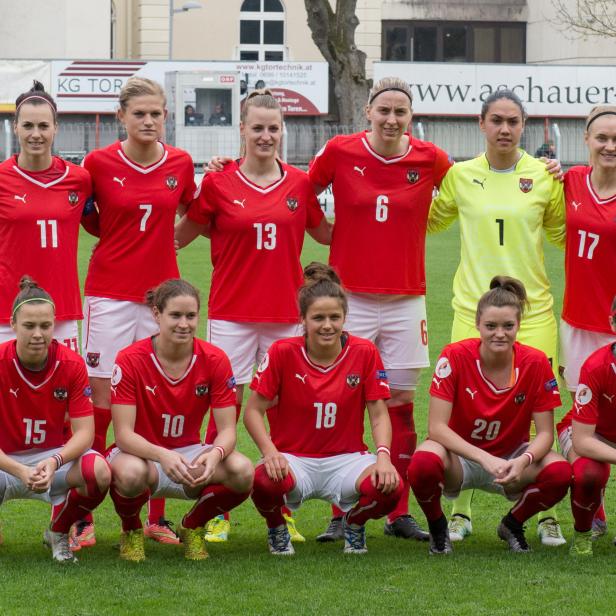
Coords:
269,496
427,477
372,504
589,480
549,488
156,510
129,508
102,419
214,500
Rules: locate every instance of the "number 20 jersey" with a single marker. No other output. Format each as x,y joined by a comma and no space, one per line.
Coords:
320,411
495,420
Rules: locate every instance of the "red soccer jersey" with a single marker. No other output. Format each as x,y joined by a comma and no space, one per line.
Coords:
137,207
39,229
170,411
495,420
31,412
595,397
381,207
257,236
590,254
320,411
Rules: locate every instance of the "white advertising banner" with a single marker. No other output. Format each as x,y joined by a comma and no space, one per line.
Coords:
546,90
16,76
89,86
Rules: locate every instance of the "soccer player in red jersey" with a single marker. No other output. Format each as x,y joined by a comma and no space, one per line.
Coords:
587,437
139,184
323,382
41,381
256,213
42,200
161,388
483,396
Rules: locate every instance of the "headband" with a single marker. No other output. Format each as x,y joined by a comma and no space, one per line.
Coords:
33,97
598,116
390,90
32,299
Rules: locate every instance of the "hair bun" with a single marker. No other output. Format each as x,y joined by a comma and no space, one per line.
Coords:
315,271
37,86
25,282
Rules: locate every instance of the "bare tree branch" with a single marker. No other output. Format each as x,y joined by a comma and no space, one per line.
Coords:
586,17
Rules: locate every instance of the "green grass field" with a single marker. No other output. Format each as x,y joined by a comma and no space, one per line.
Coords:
240,577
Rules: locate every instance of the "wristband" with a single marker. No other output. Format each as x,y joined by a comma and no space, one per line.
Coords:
59,460
530,457
383,449
221,450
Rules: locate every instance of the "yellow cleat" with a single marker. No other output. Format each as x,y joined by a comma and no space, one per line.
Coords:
217,530
131,545
581,544
194,543
296,536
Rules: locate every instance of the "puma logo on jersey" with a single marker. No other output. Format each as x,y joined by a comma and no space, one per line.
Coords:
470,393
119,181
360,170
22,199
480,182
152,390
608,398
575,205
436,382
113,390
301,378
240,203
384,384
14,391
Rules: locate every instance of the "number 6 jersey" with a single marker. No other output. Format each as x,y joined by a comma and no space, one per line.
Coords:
320,411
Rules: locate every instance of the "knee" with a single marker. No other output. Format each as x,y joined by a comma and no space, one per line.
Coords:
102,473
242,475
130,479
556,475
263,484
425,467
589,473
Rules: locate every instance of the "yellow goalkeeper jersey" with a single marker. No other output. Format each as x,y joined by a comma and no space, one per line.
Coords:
502,218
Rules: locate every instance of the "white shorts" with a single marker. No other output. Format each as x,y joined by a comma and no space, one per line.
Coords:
109,325
65,332
167,488
12,488
246,343
575,347
475,477
330,479
398,327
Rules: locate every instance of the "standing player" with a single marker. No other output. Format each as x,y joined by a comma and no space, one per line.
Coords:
162,387
323,382
256,214
42,200
41,381
483,396
382,180
504,199
139,185
587,436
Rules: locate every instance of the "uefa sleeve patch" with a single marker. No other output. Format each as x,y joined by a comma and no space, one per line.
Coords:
231,383
551,384
116,375
264,363
583,394
87,392
442,368
381,374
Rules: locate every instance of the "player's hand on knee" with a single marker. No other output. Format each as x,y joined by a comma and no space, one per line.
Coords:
276,466
42,475
209,461
513,470
385,476
176,466
494,465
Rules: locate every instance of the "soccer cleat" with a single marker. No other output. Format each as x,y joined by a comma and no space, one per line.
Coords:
217,530
354,539
60,550
194,543
334,532
599,529
406,527
279,541
513,535
81,535
296,536
459,527
548,530
581,545
161,532
440,543
131,545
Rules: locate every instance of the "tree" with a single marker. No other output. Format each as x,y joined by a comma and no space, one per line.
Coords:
334,34
587,17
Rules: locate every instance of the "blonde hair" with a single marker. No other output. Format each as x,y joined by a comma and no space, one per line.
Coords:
140,86
388,84
258,98
597,111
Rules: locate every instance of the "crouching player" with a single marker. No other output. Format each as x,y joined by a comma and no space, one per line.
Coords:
41,381
587,437
161,389
484,394
323,381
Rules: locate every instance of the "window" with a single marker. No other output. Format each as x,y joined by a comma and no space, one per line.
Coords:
431,41
262,31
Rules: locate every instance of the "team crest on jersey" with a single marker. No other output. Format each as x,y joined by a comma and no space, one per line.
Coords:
172,182
519,399
93,359
352,380
60,393
73,198
412,175
583,394
201,390
526,184
292,204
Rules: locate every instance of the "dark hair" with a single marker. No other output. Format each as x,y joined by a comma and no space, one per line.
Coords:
174,287
36,95
320,280
500,94
504,291
30,292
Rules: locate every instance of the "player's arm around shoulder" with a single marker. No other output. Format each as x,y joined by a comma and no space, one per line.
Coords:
554,216
444,206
